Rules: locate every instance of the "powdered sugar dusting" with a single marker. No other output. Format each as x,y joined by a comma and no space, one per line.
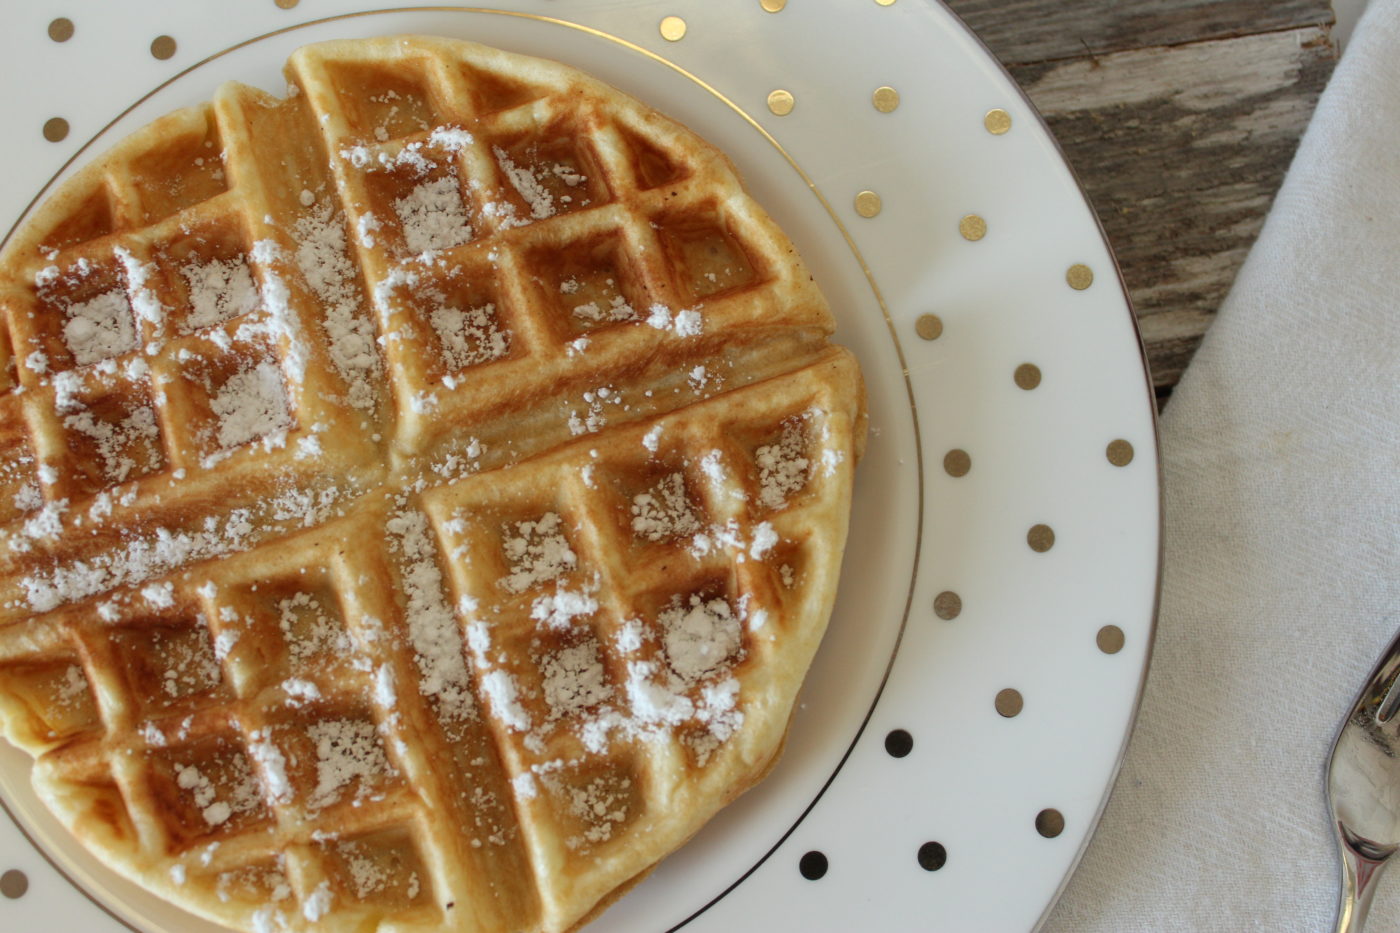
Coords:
218,803
574,679
529,187
144,302
346,750
685,323
764,538
129,444
538,552
144,556
783,467
664,511
432,626
219,290
250,405
272,763
469,336
321,256
100,327
434,216
616,310
700,635
559,609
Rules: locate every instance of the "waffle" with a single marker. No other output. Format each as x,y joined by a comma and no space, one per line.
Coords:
422,495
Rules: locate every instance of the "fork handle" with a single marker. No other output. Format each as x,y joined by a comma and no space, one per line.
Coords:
1359,874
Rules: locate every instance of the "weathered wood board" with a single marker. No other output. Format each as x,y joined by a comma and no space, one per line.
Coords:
1180,143
1026,31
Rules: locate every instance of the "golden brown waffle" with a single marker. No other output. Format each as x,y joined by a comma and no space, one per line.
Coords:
422,496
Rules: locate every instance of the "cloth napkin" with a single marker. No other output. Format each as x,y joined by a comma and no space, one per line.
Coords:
1281,452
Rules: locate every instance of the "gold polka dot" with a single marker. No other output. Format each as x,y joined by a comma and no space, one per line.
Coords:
61,29
1109,639
287,4
772,6
673,29
885,2
163,47
781,102
997,121
1079,276
1027,376
1009,702
1049,822
14,883
868,204
972,227
956,462
947,605
885,99
929,326
56,129
1041,538
1119,452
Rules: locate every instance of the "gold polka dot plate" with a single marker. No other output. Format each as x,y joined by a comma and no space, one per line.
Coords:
999,529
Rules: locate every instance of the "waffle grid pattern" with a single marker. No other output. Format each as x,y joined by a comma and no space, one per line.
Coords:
354,717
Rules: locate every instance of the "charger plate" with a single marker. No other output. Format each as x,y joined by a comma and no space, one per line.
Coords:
964,720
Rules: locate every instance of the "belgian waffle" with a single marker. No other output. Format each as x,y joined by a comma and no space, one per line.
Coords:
422,495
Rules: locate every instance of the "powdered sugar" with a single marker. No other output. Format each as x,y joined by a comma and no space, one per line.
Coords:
300,691
699,635
502,693
321,256
523,784
129,444
525,182
594,417
433,216
432,626
601,804
574,679
783,467
240,795
764,537
347,750
281,323
250,405
272,763
616,310
28,498
219,290
469,336
685,323
159,595
664,511
144,302
538,552
141,557
318,903
449,138
559,609
100,327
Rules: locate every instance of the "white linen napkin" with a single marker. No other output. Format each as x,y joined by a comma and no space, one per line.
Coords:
1281,450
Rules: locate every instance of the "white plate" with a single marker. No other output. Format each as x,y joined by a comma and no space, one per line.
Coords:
976,782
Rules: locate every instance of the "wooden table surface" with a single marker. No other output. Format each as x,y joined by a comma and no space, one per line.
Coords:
1180,118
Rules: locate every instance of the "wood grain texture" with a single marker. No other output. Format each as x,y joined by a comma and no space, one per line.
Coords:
1180,136
1181,151
1025,31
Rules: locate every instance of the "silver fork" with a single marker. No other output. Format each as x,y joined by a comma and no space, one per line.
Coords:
1363,789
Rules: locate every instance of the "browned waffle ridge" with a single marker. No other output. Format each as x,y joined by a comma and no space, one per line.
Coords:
422,495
